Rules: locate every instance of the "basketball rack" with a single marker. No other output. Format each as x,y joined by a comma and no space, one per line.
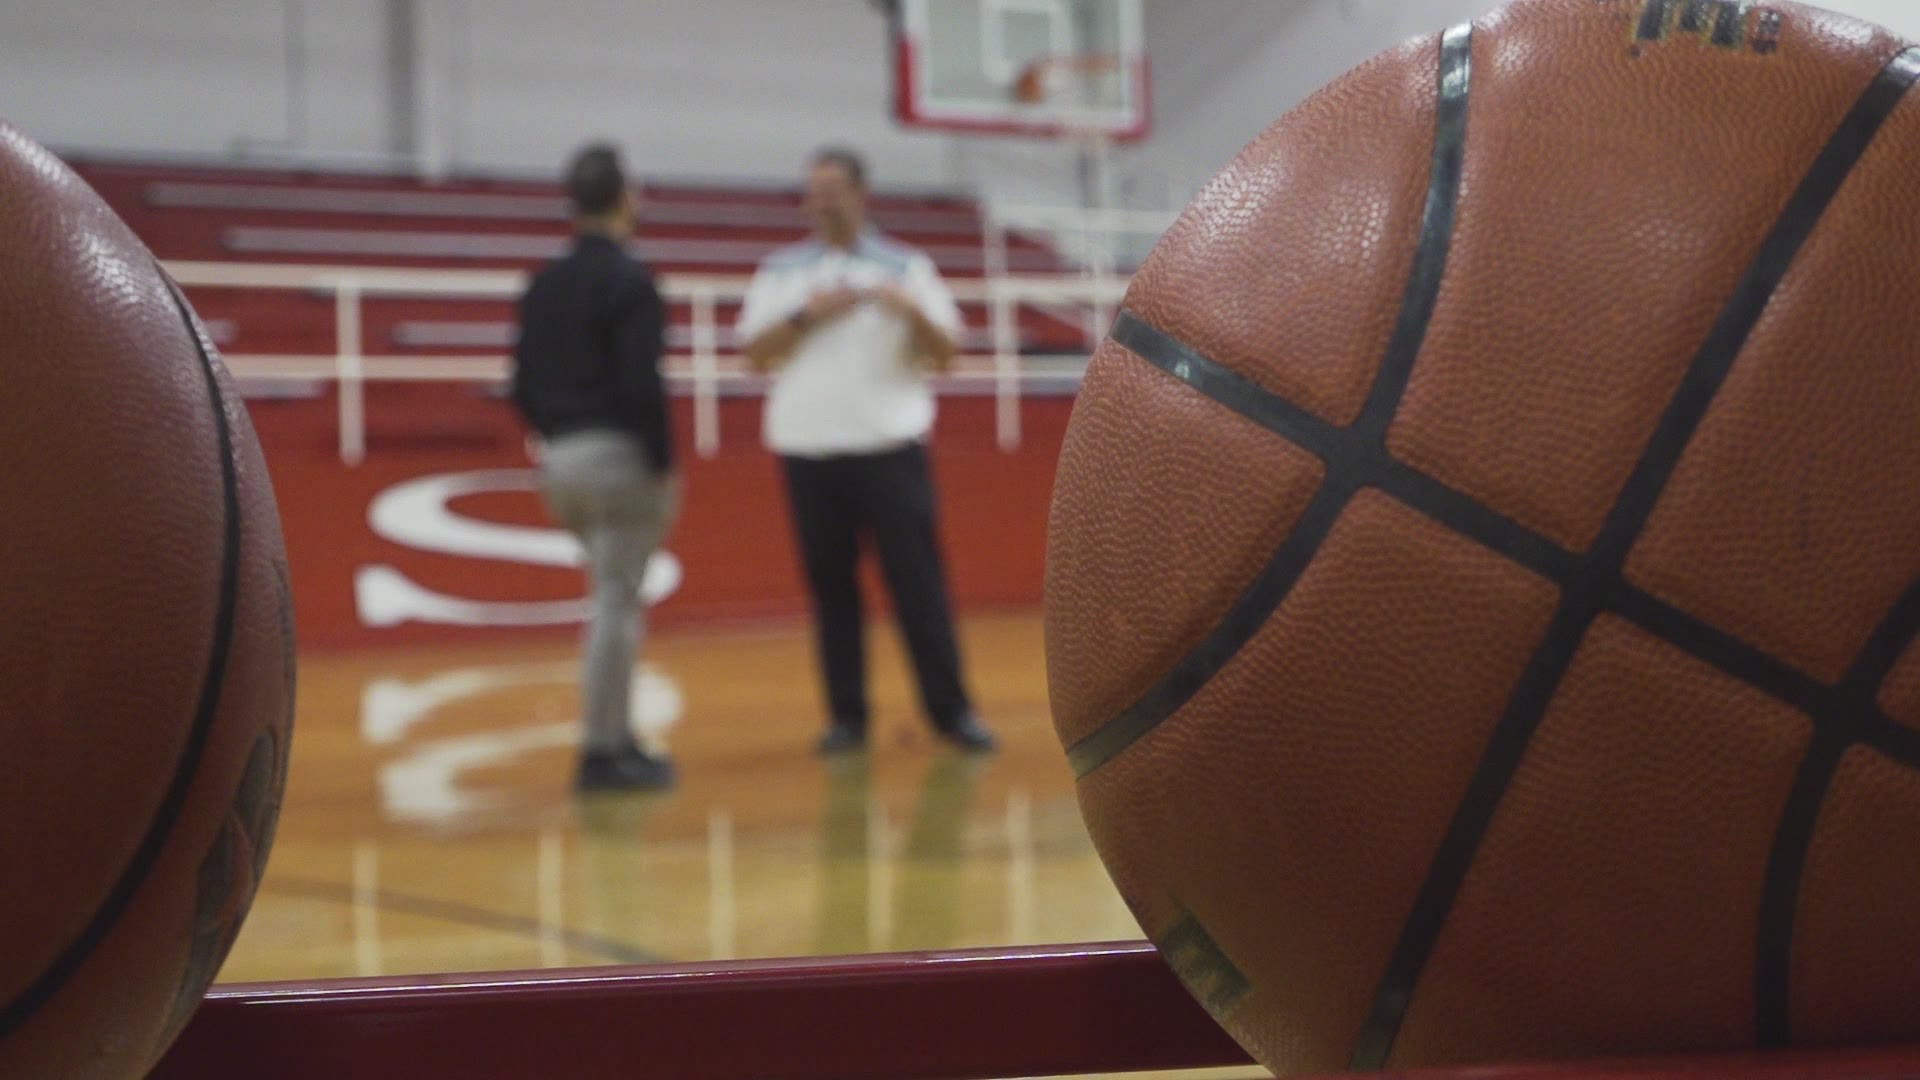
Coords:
920,1016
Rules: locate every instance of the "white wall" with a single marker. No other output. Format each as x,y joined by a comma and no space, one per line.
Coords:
696,88
133,76
1899,16
1228,68
1225,69
191,77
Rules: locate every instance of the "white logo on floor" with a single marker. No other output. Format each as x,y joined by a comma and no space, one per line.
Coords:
420,780
416,514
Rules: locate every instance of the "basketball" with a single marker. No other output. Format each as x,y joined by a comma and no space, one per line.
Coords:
1484,566
146,679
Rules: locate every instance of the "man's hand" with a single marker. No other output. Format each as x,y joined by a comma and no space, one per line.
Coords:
777,342
828,304
895,300
928,347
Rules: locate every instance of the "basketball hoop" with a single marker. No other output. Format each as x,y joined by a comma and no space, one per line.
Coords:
1044,68
1070,83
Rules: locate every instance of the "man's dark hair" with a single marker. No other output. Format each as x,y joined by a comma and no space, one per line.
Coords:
848,159
595,180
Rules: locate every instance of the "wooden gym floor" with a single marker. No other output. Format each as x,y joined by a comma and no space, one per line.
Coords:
429,825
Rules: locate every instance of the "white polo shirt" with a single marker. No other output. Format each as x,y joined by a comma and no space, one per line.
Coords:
849,387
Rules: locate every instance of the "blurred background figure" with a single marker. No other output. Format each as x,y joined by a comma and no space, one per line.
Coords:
852,321
587,378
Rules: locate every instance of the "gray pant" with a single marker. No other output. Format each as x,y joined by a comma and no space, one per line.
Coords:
600,485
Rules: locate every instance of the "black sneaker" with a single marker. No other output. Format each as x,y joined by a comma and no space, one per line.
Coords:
971,736
842,739
623,770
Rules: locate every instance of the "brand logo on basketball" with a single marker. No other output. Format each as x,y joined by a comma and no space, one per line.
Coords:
1727,24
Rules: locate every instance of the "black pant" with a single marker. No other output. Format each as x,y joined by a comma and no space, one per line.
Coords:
889,497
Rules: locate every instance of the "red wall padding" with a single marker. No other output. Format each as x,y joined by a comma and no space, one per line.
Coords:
733,537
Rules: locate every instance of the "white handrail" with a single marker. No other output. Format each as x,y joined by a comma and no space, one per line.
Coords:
1085,235
706,375
1092,237
710,370
1106,219
353,374
508,284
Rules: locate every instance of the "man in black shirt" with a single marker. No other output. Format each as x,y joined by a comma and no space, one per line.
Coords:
587,378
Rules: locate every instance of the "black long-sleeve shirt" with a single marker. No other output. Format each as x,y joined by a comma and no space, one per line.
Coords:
592,330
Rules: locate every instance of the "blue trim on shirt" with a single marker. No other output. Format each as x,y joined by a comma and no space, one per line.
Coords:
873,246
794,256
885,250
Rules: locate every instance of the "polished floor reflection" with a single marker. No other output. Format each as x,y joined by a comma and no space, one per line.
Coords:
429,826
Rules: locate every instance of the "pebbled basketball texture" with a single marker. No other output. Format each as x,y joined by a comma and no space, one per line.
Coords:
1485,563
146,644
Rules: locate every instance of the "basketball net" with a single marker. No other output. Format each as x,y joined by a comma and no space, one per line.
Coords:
1073,86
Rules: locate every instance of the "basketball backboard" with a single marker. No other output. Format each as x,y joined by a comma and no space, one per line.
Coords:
1037,67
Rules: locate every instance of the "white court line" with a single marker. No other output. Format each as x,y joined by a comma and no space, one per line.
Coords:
723,911
367,958
879,879
551,898
1022,906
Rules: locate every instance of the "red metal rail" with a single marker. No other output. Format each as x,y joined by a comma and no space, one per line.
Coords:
944,1015
931,1016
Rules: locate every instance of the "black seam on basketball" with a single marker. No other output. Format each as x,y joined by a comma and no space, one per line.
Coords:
1228,387
1585,597
1850,717
1889,641
1779,893
1862,719
1698,639
1709,644
1428,496
1361,459
1460,513
1719,649
1248,614
1349,467
1436,235
1591,584
159,831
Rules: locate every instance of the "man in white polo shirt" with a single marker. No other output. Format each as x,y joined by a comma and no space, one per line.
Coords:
853,322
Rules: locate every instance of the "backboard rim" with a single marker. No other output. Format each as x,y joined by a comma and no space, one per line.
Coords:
913,110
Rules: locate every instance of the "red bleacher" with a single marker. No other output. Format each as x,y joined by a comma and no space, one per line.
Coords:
234,215
417,426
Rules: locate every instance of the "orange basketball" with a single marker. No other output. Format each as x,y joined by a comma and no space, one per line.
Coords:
146,678
1485,565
